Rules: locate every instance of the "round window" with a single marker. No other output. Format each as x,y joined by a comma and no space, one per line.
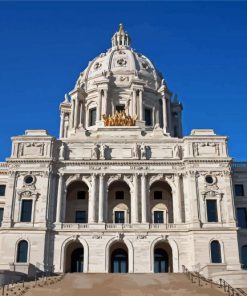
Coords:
29,180
209,179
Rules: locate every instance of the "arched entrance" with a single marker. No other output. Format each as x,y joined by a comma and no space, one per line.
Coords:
119,259
77,260
74,257
162,257
161,263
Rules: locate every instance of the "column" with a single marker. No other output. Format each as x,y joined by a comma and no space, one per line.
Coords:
72,114
76,113
192,188
177,201
144,197
81,113
169,115
61,132
99,106
165,119
141,105
101,198
60,194
229,198
134,103
134,200
92,203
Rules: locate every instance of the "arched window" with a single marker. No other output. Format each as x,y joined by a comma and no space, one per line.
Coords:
215,252
244,256
22,251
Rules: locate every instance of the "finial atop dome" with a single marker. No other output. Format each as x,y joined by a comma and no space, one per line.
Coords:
121,38
121,29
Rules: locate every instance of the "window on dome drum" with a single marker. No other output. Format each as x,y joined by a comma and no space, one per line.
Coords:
239,189
1,215
157,194
242,217
212,210
119,195
215,252
175,131
92,116
81,194
2,190
148,116
119,216
158,217
22,250
26,210
80,217
120,108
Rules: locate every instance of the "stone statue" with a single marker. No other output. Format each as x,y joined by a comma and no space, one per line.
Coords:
62,151
136,151
143,151
177,153
102,151
95,152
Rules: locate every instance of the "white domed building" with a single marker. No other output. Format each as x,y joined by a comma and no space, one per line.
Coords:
121,190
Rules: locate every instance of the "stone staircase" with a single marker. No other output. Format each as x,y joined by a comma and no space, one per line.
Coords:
125,285
116,285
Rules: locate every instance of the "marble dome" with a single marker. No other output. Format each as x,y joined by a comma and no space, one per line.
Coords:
120,64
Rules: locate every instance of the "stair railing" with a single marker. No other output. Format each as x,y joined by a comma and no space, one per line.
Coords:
221,283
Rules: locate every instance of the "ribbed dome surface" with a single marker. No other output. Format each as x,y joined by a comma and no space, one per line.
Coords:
121,64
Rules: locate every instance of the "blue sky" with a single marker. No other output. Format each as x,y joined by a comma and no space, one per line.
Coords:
200,47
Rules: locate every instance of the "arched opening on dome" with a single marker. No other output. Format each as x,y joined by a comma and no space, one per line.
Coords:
160,203
77,203
74,258
119,202
119,259
162,258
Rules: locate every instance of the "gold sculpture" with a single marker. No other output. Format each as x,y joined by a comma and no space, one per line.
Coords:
119,119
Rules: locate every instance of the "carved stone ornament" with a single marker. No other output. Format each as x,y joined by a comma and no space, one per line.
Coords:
97,66
120,235
122,62
95,152
143,151
23,193
141,236
212,193
97,235
113,178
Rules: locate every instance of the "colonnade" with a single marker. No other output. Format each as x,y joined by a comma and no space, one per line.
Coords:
139,190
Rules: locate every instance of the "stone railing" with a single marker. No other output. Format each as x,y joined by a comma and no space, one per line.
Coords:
74,225
122,226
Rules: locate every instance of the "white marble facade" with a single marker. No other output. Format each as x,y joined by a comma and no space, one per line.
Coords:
165,180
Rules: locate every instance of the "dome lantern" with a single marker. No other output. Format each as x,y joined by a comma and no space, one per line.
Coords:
121,38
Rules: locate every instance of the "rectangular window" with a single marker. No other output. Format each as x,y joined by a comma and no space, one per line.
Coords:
239,189
148,116
212,210
81,194
92,116
242,217
120,108
119,194
80,217
119,217
158,217
157,194
1,215
2,190
26,210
